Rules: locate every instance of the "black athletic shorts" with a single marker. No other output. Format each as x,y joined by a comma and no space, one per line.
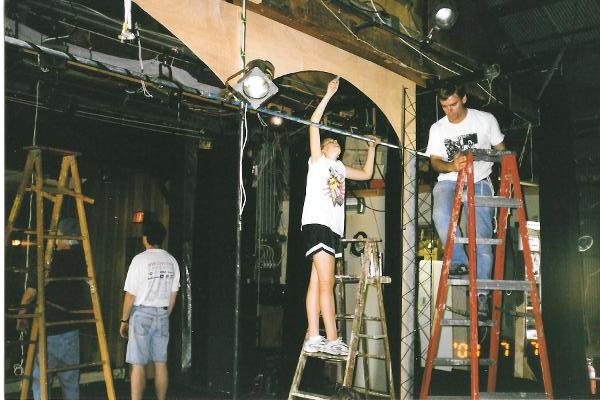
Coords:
319,237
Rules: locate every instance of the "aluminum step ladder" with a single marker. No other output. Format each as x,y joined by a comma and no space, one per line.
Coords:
510,196
370,277
54,191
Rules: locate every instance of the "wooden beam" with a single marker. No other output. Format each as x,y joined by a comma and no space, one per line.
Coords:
301,15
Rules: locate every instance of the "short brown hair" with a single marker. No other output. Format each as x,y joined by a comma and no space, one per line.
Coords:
449,89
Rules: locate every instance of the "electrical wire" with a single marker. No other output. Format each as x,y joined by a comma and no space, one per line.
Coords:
389,56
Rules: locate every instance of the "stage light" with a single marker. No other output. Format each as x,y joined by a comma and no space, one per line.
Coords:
256,84
442,16
15,242
276,120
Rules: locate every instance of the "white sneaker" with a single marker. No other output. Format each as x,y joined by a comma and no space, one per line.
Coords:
336,347
314,345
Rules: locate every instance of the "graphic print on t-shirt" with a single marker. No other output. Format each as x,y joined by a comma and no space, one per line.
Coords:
335,187
164,272
461,143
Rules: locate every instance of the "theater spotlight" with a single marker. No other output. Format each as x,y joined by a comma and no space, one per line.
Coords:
442,16
276,121
256,84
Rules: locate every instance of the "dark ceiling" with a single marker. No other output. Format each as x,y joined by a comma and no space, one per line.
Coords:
529,41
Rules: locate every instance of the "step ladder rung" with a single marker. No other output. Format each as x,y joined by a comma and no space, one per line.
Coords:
491,284
56,236
54,150
373,337
495,201
307,395
74,366
371,392
72,322
464,322
490,155
356,279
351,316
373,356
22,316
457,362
68,279
496,395
326,356
53,191
465,240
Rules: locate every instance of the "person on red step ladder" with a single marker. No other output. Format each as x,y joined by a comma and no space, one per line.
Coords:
461,129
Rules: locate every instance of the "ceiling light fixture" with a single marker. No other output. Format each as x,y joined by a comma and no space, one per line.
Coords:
256,84
442,16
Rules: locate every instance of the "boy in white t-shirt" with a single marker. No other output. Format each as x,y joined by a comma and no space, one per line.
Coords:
461,129
323,225
150,292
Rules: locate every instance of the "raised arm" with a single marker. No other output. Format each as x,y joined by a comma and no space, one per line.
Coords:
366,172
313,131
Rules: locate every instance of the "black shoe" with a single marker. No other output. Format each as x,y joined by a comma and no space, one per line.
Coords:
457,270
482,306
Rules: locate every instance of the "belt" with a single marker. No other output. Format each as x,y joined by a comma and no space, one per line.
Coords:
162,308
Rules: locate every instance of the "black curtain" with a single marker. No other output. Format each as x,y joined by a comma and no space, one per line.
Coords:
562,273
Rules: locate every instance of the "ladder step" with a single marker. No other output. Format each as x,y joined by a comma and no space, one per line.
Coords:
465,240
22,316
496,395
72,322
54,150
326,356
356,279
464,322
495,201
48,235
307,395
351,316
491,284
490,155
68,279
74,366
374,337
456,362
370,392
58,190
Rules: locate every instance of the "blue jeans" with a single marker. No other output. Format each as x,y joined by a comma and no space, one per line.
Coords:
63,350
443,198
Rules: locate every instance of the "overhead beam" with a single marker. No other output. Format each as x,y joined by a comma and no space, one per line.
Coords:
341,38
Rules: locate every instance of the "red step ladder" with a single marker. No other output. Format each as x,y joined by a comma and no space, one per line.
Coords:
510,196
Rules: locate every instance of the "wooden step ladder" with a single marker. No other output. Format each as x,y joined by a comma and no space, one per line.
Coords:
370,276
33,181
510,196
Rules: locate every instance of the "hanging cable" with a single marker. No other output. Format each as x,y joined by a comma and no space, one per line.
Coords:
143,89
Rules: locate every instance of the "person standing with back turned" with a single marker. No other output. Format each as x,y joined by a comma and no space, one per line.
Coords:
461,129
150,292
323,225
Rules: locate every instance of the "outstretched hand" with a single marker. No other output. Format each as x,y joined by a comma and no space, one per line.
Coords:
333,86
375,142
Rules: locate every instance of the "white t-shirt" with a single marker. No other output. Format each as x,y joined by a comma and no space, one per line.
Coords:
325,193
152,276
479,130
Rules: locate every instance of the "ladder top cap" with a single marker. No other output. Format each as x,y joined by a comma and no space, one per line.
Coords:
490,152
53,150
